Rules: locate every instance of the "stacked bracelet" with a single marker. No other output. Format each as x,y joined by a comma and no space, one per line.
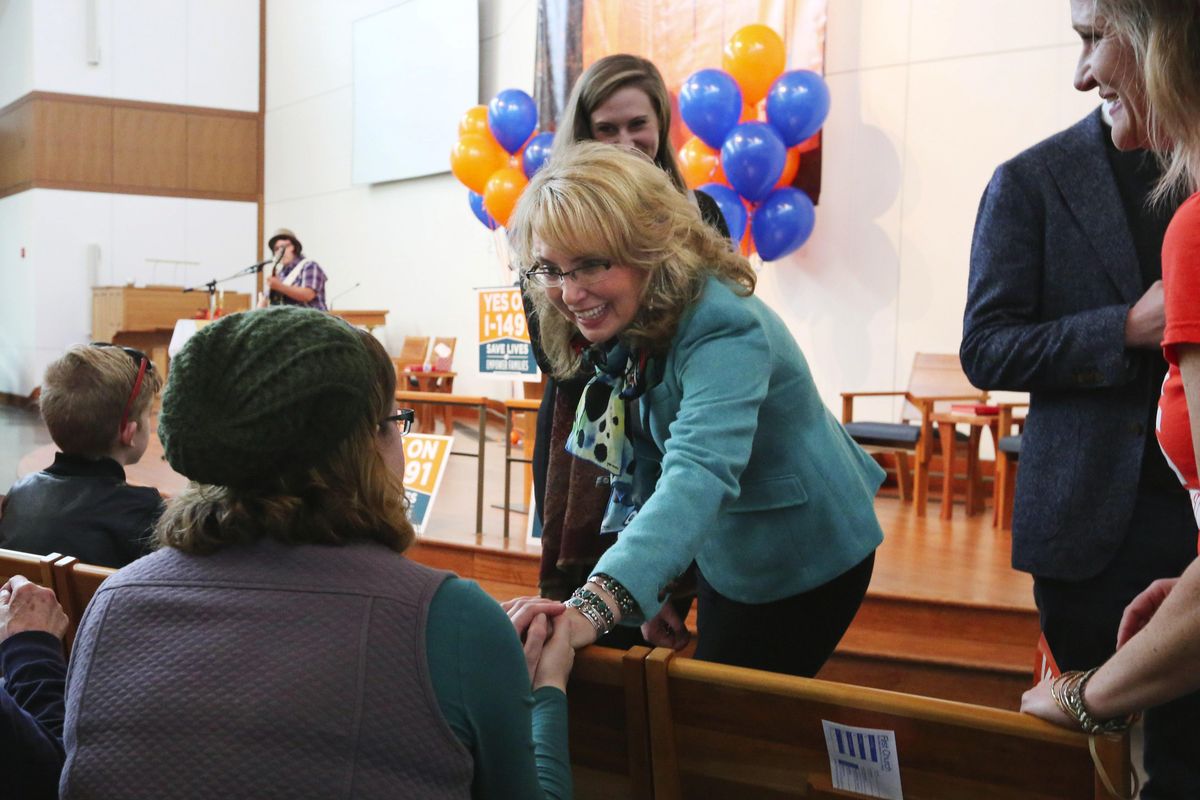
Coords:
1067,691
594,610
620,594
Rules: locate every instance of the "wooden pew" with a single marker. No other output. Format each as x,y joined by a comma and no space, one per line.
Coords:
75,583
609,735
38,569
726,732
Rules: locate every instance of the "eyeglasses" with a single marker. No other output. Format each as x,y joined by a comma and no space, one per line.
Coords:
403,419
590,273
144,365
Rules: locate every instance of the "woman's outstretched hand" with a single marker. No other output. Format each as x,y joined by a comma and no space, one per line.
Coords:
667,629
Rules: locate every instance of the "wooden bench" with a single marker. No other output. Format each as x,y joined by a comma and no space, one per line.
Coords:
726,732
38,569
75,583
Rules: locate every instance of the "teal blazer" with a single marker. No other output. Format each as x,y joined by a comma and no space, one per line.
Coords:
760,484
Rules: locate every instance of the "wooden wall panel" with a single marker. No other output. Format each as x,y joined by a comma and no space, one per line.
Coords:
98,144
149,148
222,154
16,148
74,143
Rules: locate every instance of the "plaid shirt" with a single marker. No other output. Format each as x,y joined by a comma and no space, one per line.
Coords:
313,277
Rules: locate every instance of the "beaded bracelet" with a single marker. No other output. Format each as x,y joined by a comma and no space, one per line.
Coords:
594,609
619,593
1067,691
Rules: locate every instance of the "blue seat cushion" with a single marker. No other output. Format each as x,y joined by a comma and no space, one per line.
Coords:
900,435
884,434
1011,445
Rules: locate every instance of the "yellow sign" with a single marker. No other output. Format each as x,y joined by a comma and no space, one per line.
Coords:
504,347
425,458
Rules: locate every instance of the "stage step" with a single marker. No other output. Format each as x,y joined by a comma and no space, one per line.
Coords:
956,651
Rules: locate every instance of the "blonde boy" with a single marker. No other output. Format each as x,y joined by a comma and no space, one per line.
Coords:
96,401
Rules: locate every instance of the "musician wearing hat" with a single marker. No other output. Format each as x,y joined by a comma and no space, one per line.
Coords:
295,280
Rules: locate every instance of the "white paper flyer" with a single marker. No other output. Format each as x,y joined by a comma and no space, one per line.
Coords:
863,760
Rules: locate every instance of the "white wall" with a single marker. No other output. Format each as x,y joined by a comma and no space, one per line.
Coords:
187,52
413,245
16,49
190,52
47,302
16,301
929,96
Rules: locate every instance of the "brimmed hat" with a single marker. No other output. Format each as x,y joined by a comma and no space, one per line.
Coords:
264,393
284,233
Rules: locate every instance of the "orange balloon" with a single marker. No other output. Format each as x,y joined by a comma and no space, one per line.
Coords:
755,57
698,162
474,158
502,192
811,143
474,121
790,168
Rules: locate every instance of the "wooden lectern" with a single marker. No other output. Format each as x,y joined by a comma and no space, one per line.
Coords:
145,317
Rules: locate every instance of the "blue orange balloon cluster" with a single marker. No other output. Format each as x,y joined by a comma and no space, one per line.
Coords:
496,154
751,123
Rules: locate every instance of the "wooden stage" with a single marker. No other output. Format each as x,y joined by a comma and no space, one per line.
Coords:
946,616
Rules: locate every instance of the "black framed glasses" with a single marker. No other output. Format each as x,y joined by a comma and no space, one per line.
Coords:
144,365
403,418
591,272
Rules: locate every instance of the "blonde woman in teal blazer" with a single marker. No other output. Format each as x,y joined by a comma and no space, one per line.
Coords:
704,413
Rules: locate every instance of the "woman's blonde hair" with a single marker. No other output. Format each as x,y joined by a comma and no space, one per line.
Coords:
350,496
1165,37
601,81
598,200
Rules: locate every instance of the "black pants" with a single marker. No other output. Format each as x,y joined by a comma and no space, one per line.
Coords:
795,635
1080,620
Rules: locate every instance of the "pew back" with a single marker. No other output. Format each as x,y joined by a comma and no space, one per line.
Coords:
726,732
75,584
610,749
38,569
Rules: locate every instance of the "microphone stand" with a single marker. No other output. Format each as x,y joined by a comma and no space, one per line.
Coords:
211,286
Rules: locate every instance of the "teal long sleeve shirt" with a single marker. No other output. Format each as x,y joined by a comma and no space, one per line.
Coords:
518,740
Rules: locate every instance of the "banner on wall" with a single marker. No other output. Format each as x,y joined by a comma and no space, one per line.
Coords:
425,459
504,347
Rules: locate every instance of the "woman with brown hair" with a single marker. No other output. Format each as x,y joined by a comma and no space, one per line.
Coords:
278,644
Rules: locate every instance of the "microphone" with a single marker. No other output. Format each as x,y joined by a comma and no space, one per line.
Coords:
278,258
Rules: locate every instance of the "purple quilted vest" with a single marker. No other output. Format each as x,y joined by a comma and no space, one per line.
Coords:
261,671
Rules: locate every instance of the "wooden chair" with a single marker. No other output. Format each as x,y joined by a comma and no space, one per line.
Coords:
936,381
38,569
608,730
1008,451
721,732
76,583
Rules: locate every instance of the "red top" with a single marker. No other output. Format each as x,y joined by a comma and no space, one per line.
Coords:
1181,289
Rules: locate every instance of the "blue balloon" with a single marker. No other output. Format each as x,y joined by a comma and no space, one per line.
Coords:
732,209
753,157
536,153
512,116
710,103
481,214
782,223
797,105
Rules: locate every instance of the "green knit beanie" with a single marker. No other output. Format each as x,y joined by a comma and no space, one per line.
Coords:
262,393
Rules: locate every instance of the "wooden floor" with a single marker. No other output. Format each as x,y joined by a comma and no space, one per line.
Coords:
945,616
